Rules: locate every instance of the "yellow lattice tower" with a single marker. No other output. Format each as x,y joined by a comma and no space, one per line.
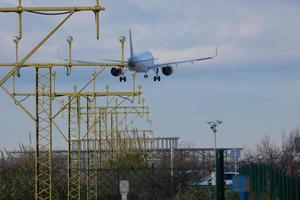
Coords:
43,132
90,138
118,138
92,147
74,151
105,136
75,110
44,93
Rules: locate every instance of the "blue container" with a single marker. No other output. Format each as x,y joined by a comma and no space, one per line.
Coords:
240,184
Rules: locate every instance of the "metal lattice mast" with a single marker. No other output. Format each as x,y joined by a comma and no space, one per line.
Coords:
92,146
74,149
43,154
103,134
91,159
115,130
44,96
43,103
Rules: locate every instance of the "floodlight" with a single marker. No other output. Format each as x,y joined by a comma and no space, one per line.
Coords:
122,39
69,39
16,39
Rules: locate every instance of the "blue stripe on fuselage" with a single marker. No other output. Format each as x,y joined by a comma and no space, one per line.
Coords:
141,62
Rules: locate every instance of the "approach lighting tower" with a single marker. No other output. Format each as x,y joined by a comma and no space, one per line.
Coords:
43,95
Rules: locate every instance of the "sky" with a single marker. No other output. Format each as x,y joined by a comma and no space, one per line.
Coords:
252,86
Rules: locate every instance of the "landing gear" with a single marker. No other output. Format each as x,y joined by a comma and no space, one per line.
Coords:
146,76
156,78
122,78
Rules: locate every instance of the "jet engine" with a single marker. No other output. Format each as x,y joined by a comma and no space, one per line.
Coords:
167,71
115,71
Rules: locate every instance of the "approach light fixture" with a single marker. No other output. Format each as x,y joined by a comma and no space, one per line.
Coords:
69,39
16,39
122,39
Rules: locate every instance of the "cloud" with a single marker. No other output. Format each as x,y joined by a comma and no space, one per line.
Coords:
180,54
243,31
251,36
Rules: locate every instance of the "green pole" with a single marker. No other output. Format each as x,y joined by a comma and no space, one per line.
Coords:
219,193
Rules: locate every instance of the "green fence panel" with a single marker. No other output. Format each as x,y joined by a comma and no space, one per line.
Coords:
266,181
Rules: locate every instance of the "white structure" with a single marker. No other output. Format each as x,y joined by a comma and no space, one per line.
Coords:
124,189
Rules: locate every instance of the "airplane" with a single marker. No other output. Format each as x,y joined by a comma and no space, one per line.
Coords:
144,62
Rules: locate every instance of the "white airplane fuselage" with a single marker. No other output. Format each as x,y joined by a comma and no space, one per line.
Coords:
140,62
144,61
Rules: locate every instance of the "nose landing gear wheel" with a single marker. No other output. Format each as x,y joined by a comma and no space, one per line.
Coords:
156,77
146,76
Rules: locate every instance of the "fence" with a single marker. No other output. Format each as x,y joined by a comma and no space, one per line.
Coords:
267,182
148,180
145,183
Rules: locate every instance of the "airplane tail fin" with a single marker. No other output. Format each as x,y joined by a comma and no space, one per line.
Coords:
131,46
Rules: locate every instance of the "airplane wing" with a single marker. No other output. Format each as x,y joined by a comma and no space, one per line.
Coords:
161,65
89,62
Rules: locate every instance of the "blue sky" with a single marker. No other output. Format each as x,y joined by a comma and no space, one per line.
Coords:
252,85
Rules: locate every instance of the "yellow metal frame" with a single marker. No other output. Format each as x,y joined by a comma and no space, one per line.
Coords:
92,156
43,103
28,55
74,152
20,9
43,186
44,117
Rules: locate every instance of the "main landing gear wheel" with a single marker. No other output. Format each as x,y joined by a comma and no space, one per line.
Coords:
156,78
122,78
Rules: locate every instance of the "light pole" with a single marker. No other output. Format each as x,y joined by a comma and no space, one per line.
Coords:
217,174
69,40
213,126
16,40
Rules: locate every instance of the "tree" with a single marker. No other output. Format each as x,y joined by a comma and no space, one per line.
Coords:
281,155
